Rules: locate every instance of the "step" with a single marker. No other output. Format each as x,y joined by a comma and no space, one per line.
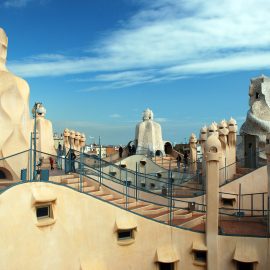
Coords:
165,216
77,185
154,211
113,199
196,220
59,178
159,214
150,209
137,205
183,215
106,197
189,221
89,189
70,180
98,192
122,201
67,176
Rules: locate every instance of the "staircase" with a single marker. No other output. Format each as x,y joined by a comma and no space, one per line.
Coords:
149,210
167,162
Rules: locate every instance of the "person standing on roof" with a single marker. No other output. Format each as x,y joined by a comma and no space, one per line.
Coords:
178,159
73,157
120,151
51,163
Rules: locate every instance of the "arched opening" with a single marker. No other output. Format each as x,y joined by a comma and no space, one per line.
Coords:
5,174
2,175
158,153
168,148
213,149
131,146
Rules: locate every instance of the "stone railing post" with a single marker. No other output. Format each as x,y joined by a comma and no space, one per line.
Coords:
213,155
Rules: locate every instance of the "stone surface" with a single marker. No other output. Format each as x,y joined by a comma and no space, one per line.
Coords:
226,132
258,116
73,140
148,136
193,152
223,137
45,142
15,123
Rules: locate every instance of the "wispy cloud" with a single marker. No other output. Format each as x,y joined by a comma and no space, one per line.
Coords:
161,119
16,3
168,40
21,3
47,57
115,115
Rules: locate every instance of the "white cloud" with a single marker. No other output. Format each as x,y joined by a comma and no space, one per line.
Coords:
16,3
21,3
161,119
115,115
168,40
47,57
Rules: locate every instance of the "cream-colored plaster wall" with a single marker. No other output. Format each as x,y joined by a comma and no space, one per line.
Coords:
227,245
83,235
255,181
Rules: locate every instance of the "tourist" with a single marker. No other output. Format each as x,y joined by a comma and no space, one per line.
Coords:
59,154
51,163
129,150
73,157
178,159
120,151
133,149
39,168
185,160
59,149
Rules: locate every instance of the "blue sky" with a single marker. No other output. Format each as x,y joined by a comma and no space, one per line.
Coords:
96,65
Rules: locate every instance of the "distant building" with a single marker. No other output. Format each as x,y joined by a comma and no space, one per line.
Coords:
94,149
111,150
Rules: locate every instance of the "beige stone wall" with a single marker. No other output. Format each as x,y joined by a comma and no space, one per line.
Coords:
83,235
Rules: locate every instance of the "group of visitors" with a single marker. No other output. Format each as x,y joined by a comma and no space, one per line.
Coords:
131,150
52,161
59,154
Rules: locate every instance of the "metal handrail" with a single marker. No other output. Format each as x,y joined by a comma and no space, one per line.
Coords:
171,200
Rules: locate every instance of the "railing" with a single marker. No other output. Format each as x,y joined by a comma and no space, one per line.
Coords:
153,183
241,212
247,210
149,181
